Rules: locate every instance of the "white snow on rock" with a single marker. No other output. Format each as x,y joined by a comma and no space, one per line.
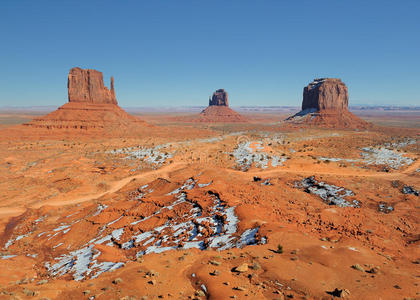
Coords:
12,240
7,256
101,208
246,156
248,238
81,263
404,143
301,114
158,155
334,159
190,226
40,219
330,194
215,227
384,156
155,156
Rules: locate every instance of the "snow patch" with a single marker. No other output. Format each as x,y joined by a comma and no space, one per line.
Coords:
384,156
246,156
330,194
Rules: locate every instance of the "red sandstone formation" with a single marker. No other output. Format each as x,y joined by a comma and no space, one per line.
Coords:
88,86
325,104
86,116
220,98
218,110
91,106
326,93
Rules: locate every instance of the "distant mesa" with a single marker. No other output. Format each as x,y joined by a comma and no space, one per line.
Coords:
219,111
91,105
325,104
220,98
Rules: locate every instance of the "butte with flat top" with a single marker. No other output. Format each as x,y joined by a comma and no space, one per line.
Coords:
91,106
219,111
325,104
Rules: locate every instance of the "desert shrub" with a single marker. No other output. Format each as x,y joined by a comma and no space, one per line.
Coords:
279,249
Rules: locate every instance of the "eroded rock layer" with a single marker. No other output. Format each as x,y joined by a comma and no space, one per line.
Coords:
216,113
326,94
219,98
91,106
325,104
86,116
219,111
88,86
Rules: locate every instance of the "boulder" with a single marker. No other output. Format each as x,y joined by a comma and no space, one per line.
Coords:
241,268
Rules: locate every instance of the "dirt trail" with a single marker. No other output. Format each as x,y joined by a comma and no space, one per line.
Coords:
164,172
115,186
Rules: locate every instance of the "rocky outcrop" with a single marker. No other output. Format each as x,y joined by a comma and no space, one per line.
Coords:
91,107
88,86
219,111
325,94
325,104
220,98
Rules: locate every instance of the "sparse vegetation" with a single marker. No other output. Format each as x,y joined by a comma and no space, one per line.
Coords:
279,249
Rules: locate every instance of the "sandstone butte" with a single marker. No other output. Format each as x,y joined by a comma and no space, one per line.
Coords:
219,111
91,106
88,86
325,104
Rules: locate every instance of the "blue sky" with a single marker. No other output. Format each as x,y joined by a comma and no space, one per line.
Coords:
169,53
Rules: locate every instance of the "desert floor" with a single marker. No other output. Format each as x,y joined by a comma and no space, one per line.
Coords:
211,211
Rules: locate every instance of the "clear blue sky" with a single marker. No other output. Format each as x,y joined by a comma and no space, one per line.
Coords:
178,52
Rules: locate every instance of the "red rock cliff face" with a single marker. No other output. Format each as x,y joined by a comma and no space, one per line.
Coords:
326,94
92,107
88,86
325,104
220,98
